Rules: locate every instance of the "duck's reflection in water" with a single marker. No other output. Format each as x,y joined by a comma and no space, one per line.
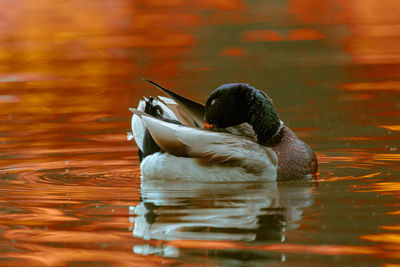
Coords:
257,213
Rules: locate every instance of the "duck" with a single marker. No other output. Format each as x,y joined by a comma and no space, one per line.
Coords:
237,135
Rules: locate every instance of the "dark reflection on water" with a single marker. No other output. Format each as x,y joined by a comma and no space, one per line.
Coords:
69,179
257,213
251,212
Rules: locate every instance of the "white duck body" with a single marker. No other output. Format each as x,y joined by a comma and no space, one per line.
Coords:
198,154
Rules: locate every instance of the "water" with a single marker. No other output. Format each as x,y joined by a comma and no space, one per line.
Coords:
70,189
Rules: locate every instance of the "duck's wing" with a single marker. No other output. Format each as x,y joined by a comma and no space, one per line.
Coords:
181,115
184,106
212,147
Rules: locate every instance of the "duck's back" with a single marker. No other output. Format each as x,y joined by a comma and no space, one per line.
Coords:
295,158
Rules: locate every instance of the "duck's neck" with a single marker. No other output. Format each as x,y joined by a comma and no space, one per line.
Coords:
264,119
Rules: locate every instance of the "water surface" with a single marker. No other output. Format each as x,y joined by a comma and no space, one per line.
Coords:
70,188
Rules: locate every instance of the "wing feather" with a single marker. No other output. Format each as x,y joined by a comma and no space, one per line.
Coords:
194,109
178,111
215,147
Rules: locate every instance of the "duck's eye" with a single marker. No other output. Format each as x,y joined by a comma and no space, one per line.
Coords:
212,102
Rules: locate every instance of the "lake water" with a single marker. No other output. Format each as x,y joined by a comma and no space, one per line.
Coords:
70,188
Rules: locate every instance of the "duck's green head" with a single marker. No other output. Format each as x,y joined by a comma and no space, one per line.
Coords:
235,103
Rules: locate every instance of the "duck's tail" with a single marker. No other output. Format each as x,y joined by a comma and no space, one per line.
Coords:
145,142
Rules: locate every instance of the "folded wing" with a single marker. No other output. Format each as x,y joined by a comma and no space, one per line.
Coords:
210,147
194,109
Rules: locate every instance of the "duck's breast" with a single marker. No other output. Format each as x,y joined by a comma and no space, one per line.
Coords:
296,160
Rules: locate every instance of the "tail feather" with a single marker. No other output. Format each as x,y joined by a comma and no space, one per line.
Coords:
155,108
194,109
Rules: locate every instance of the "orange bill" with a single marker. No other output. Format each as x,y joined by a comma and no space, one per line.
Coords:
208,126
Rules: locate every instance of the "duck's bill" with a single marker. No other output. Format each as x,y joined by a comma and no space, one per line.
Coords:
209,126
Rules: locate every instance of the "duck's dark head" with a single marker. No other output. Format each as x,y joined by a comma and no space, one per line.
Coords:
235,103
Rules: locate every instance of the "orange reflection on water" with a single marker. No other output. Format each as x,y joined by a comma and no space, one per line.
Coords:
387,157
391,227
381,187
381,85
397,212
37,216
374,27
66,236
385,237
370,36
344,178
389,241
83,215
38,255
362,158
391,127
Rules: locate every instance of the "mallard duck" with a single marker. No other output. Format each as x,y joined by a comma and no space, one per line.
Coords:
236,136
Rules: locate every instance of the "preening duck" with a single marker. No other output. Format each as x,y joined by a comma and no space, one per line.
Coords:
236,136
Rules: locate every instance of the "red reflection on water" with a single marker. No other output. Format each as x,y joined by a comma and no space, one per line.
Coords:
233,51
262,35
305,34
317,12
272,36
69,71
197,4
